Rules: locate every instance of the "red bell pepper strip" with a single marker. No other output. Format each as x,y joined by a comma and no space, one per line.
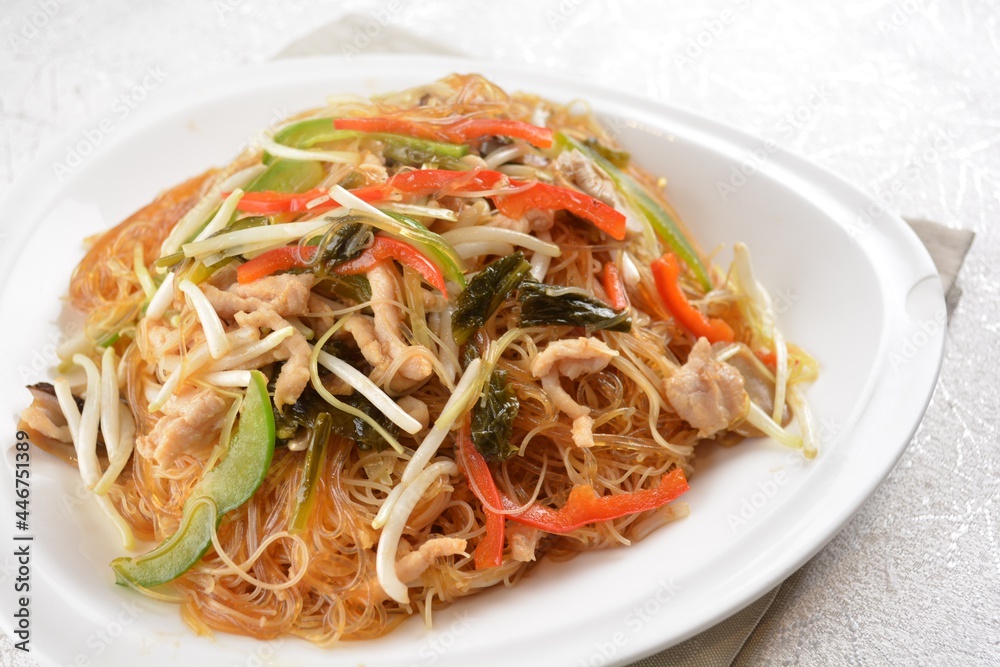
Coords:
299,257
476,128
460,131
552,197
489,552
273,261
585,507
666,271
433,181
539,195
271,202
385,247
614,287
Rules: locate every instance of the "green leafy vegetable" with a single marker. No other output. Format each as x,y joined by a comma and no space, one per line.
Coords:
301,413
345,288
493,419
358,430
306,411
543,305
486,293
342,243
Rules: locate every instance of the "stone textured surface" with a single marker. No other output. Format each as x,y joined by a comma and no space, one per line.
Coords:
899,97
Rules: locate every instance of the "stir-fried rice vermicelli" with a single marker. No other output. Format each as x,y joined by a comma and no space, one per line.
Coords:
394,355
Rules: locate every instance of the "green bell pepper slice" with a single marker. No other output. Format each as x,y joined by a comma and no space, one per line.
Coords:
431,244
289,176
224,488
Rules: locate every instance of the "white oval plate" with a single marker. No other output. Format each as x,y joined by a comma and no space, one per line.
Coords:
853,285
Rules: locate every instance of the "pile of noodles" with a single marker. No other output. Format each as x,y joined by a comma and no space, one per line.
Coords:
320,584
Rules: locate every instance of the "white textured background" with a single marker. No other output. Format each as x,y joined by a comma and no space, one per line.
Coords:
915,577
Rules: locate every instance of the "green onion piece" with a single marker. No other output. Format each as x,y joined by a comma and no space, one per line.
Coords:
416,152
345,288
664,225
616,157
315,457
167,261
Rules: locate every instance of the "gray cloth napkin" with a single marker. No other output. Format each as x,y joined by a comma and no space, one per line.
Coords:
720,645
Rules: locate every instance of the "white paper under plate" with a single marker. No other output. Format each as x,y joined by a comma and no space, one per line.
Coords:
853,284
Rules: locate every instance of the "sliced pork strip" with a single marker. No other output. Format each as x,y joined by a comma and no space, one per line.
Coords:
572,358
190,423
707,394
295,350
285,294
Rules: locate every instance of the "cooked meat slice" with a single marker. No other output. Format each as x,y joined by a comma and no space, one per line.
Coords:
562,400
576,168
757,384
190,424
581,172
285,294
534,220
583,430
362,329
416,409
336,386
223,278
161,338
46,426
523,542
319,307
514,224
44,414
707,394
265,303
294,351
387,344
572,358
373,168
415,563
